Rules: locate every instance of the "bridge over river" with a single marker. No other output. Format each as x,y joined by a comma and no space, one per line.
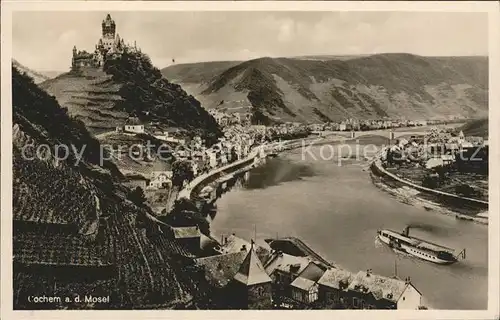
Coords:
391,134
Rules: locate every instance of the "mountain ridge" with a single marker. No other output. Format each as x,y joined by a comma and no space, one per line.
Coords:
381,85
37,76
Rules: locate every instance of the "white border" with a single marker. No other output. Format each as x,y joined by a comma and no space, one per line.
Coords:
6,152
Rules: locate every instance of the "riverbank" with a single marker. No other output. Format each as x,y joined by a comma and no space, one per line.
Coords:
405,193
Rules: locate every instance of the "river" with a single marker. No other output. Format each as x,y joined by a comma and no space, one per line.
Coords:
337,210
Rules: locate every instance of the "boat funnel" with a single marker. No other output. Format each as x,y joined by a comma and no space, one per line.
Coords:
406,231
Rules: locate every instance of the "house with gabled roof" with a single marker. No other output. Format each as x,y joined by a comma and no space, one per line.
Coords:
133,125
294,277
371,291
238,279
333,286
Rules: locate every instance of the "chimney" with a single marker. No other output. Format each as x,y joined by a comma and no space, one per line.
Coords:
368,272
243,248
407,280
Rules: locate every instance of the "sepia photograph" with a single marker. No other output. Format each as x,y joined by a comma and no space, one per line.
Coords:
189,158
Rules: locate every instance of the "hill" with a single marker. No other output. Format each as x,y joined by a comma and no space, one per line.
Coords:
476,127
129,85
76,231
37,77
312,90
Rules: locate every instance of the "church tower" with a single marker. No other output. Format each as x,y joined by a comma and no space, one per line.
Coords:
252,285
108,33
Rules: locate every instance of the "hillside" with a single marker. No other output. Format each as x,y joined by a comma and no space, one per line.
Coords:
312,90
75,230
476,127
129,85
37,77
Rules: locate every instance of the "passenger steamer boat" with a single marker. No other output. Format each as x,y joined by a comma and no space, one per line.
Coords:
419,248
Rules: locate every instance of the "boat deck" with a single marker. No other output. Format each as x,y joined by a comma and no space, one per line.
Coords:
419,243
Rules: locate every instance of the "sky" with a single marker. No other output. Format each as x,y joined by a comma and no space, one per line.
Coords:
43,40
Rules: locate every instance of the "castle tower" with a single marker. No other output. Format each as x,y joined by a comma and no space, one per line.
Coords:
73,59
108,32
252,283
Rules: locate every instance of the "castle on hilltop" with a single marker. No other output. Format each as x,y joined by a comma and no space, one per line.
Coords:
109,44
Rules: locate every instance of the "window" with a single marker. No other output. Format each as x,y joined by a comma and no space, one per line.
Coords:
261,291
355,302
328,296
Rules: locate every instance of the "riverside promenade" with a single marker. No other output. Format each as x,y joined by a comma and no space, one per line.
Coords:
186,192
258,151
274,147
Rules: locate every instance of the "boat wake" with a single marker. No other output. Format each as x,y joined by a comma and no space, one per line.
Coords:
378,243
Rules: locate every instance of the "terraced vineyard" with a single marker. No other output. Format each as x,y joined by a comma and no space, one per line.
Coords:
89,97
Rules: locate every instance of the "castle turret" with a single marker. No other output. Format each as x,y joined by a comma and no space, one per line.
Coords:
108,33
73,59
108,27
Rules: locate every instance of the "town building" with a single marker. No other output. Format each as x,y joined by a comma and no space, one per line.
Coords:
238,280
284,269
304,290
134,126
252,285
447,159
219,271
160,179
189,238
371,291
333,287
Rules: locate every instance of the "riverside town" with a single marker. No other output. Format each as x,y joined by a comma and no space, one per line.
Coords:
145,177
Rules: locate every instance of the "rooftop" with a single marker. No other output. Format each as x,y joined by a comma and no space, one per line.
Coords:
133,122
186,232
221,269
251,270
303,283
332,278
236,244
381,287
286,263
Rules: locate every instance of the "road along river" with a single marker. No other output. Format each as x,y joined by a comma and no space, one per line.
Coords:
337,210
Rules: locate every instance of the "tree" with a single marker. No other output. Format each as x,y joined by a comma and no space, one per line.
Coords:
137,197
465,190
184,204
390,157
431,181
182,171
186,214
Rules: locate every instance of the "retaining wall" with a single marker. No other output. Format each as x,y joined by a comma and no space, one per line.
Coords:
377,164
